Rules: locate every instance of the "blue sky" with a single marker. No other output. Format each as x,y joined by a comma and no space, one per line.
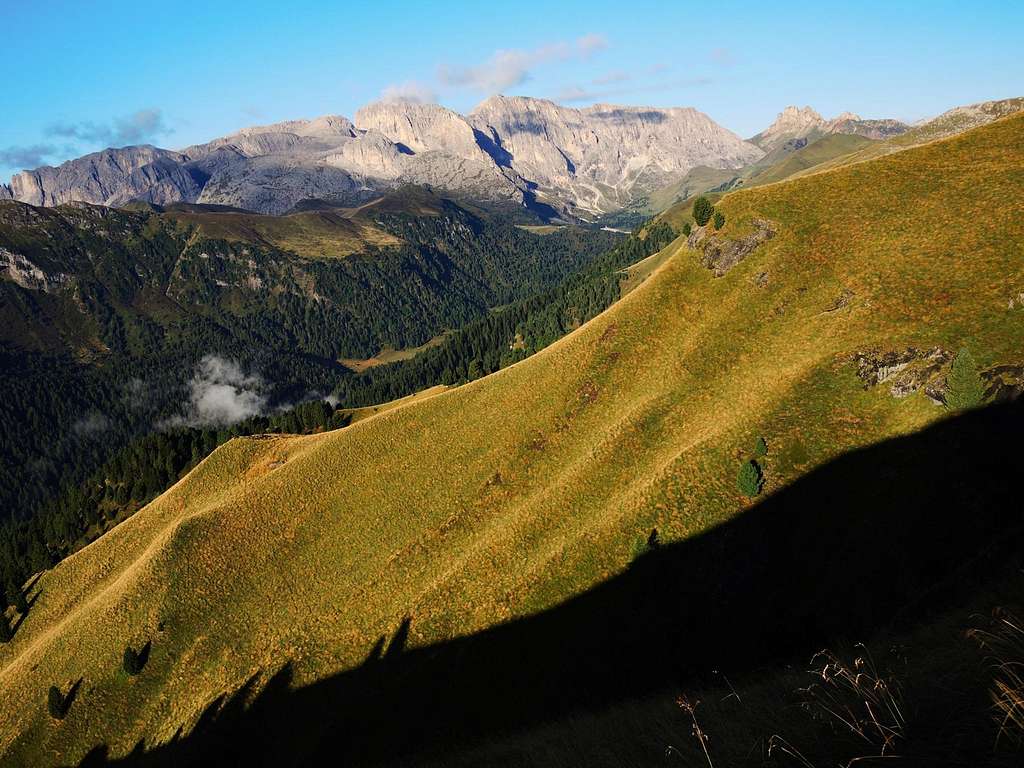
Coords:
79,76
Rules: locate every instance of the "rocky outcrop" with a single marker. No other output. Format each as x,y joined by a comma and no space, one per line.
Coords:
905,371
1003,383
964,118
5,192
20,271
720,254
850,123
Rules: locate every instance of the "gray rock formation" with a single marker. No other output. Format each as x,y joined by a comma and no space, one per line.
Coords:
581,162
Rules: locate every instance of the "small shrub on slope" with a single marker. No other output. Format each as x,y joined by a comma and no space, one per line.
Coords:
702,211
750,479
964,387
760,447
719,220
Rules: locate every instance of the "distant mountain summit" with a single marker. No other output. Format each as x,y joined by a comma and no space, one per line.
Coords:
575,162
800,126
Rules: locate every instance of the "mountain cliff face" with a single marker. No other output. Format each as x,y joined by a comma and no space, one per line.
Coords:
579,162
110,177
603,156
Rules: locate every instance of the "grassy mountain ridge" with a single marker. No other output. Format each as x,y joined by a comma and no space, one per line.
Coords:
510,494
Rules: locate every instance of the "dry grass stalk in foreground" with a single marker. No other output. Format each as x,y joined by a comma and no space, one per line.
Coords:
1005,646
690,707
856,696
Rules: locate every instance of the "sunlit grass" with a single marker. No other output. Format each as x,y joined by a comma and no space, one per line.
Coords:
507,495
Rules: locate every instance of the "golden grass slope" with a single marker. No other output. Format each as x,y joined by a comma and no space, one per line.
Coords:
509,494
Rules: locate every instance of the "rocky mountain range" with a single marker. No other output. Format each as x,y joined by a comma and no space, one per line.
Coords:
556,160
576,162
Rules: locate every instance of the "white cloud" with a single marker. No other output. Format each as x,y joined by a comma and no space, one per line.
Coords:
221,394
411,91
511,67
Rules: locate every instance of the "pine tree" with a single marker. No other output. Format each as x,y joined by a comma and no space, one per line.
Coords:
750,480
964,387
687,229
719,219
702,210
760,447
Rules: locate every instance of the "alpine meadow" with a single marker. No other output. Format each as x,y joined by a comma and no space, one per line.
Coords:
500,425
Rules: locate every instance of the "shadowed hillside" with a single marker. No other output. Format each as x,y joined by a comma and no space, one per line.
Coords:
506,498
891,532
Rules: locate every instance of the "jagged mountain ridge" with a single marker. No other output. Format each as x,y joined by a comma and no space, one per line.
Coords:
797,126
579,162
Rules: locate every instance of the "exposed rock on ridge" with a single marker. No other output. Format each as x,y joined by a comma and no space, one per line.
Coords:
721,254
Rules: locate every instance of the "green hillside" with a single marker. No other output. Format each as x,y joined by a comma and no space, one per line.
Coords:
503,498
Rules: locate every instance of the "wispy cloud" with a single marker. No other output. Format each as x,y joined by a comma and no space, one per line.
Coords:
409,91
511,67
140,127
27,157
93,424
575,94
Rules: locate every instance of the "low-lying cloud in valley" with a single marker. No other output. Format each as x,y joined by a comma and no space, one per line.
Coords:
93,424
221,394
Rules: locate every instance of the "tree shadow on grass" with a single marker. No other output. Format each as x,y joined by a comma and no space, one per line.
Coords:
887,533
